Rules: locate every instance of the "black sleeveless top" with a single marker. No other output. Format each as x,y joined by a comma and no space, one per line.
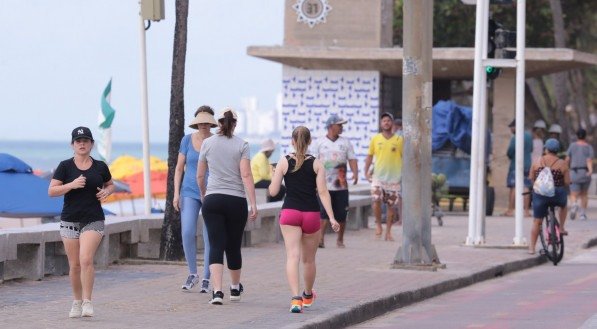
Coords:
301,186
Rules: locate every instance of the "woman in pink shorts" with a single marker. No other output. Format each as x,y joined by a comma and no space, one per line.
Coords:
299,218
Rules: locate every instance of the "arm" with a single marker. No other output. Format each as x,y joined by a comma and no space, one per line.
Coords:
281,168
247,177
354,167
178,171
324,195
201,170
368,161
58,188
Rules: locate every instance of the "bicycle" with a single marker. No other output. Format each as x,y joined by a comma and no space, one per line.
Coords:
551,237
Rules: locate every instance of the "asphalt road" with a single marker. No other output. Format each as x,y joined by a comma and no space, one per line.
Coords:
547,296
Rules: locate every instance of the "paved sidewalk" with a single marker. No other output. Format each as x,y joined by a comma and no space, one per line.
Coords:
353,284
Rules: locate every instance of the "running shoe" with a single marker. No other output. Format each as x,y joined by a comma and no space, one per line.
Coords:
583,217
308,299
192,280
76,310
86,308
217,298
573,211
296,304
204,286
235,293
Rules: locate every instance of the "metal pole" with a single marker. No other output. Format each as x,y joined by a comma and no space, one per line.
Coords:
145,119
479,77
520,83
481,135
417,89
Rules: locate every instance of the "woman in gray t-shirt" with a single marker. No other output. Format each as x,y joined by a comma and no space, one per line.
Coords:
225,201
580,159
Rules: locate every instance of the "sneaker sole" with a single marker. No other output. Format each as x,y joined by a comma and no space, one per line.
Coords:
87,315
234,298
72,316
216,301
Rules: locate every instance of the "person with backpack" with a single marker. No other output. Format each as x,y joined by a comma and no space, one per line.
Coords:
549,188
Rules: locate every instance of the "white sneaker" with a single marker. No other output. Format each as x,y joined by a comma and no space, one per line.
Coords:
583,217
192,280
87,308
75,310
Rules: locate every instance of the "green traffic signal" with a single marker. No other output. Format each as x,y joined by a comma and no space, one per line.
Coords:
492,72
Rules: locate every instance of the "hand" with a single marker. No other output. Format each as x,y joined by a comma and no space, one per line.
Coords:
176,202
79,182
102,194
253,213
335,225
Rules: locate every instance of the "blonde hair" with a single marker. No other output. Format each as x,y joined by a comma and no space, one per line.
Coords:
302,138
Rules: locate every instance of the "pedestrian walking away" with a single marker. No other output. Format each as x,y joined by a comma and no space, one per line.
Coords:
386,148
299,217
511,178
561,179
84,182
579,157
225,201
187,198
335,153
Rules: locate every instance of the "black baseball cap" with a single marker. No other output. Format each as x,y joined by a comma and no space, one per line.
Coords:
81,132
387,114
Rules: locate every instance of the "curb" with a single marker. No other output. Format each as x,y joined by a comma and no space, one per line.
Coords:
368,310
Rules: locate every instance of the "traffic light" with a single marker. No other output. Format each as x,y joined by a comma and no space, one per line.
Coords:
492,72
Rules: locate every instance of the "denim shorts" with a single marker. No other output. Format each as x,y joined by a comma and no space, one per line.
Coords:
540,202
70,230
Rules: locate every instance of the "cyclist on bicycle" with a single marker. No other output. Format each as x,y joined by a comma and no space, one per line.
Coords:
561,177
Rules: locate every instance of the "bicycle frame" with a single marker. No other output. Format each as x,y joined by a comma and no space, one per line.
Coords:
551,237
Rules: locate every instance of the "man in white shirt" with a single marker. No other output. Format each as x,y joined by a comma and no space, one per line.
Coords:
335,152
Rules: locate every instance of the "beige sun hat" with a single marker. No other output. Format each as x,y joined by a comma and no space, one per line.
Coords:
203,117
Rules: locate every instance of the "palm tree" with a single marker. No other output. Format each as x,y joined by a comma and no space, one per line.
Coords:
171,239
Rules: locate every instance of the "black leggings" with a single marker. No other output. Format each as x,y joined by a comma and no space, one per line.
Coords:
225,217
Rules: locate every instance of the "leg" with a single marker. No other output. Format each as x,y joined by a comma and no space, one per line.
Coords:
236,220
292,242
389,218
376,206
89,241
206,248
340,239
562,217
584,200
71,246
527,203
216,232
309,249
188,217
534,234
511,200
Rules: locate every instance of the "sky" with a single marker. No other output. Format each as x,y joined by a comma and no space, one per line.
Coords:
56,57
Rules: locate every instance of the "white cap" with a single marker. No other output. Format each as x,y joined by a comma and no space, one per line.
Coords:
540,124
555,128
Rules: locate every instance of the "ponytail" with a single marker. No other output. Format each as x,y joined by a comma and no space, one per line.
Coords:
302,138
227,124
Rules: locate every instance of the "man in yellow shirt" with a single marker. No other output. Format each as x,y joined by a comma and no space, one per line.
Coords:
386,178
262,170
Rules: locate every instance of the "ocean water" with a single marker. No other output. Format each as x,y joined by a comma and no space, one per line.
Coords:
46,155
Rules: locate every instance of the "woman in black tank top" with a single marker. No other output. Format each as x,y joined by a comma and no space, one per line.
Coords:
299,219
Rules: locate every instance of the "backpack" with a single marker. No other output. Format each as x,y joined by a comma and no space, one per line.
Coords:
544,184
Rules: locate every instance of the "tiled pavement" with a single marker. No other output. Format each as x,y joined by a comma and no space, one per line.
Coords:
353,284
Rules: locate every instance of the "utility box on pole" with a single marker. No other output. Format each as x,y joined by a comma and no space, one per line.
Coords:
152,10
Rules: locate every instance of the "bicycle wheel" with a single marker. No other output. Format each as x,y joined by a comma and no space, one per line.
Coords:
556,243
544,236
560,242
